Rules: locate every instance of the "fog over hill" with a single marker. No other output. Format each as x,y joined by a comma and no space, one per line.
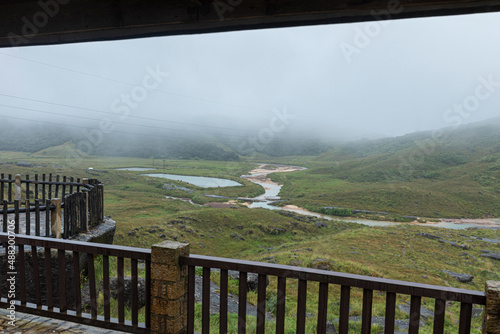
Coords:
264,86
451,145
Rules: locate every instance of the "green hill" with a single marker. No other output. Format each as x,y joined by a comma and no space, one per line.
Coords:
450,173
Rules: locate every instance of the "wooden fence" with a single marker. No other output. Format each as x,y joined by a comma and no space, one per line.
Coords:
48,281
35,208
304,277
169,276
43,187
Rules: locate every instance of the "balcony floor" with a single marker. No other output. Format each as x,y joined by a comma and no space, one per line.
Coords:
30,324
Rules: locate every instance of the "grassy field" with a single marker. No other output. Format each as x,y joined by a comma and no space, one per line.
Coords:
145,216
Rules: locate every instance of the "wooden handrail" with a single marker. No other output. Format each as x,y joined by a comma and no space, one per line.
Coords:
339,278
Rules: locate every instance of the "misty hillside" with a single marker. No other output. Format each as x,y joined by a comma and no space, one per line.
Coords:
32,137
428,155
451,175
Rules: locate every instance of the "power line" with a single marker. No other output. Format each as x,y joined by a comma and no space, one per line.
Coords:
114,122
134,84
84,127
114,114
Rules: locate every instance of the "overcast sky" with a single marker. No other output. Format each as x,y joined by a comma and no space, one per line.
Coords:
350,80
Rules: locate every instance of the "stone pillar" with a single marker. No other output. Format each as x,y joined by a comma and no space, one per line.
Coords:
491,320
169,283
17,186
55,217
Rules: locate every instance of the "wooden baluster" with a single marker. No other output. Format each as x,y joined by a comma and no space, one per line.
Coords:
242,303
43,188
322,307
414,314
5,215
9,195
223,301
390,311
439,313
121,292
148,295
48,280
135,292
105,287
345,296
76,283
465,318
37,217
301,307
27,187
61,268
50,186
366,317
22,273
261,304
28,218
64,188
205,304
280,305
16,216
36,186
57,186
2,187
92,288
36,275
47,218
191,299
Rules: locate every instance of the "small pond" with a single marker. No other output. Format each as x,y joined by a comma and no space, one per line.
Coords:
199,181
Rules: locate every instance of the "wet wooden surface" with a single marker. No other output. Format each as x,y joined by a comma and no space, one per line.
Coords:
30,324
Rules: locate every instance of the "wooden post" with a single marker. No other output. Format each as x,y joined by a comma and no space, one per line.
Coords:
491,314
169,283
55,217
85,225
17,190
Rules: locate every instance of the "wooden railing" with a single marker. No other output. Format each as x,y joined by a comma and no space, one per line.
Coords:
43,187
170,284
25,199
60,296
305,276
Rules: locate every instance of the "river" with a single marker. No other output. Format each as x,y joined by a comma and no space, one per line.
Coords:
272,190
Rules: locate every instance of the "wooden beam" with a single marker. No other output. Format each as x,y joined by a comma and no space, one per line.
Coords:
43,22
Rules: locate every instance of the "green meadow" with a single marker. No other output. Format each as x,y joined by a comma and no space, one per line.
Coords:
452,180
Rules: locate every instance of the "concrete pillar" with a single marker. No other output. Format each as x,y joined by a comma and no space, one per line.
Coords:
169,283
55,217
17,186
491,320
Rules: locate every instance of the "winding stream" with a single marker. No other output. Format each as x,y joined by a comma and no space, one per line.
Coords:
272,189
